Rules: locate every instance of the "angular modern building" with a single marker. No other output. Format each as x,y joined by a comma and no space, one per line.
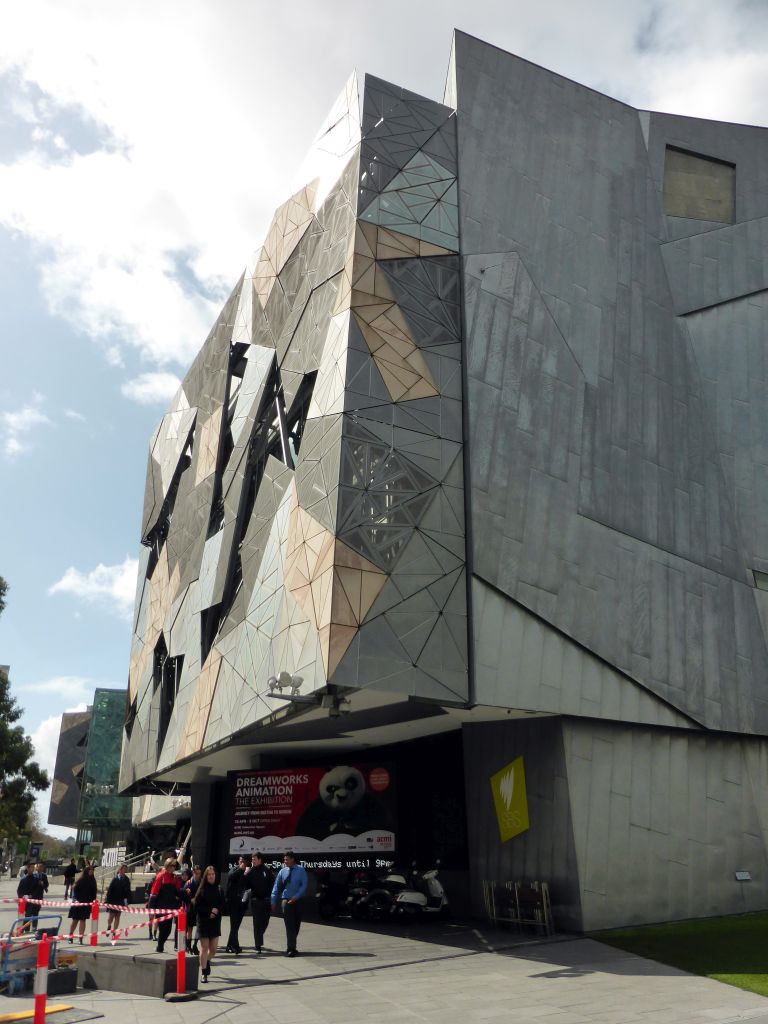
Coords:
64,808
477,450
84,794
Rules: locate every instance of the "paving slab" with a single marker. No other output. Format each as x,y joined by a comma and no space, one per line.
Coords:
432,974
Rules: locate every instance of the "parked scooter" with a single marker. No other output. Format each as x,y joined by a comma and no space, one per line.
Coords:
371,896
424,895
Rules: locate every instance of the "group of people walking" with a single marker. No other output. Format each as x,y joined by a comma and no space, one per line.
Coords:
249,883
199,893
249,886
33,886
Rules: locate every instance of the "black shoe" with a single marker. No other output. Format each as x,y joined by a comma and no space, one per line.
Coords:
159,949
292,952
258,949
238,951
195,951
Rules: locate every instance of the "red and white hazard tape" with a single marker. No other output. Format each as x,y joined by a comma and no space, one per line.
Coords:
43,956
102,906
113,933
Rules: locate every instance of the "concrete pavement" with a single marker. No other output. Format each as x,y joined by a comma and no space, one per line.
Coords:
436,973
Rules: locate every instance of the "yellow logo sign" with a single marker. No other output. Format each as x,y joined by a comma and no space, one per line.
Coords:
510,800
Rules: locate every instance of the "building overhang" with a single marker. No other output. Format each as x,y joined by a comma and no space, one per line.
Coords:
374,719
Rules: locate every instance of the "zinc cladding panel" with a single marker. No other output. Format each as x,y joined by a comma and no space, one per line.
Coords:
643,511
678,843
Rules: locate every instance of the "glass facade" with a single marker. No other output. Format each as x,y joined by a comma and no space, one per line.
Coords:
101,807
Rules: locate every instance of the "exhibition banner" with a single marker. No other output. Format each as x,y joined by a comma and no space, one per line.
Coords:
346,809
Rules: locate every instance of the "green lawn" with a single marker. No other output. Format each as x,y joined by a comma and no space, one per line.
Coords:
729,949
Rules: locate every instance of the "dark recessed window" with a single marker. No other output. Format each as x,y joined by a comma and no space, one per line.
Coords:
169,689
156,538
761,579
278,431
130,717
160,656
698,187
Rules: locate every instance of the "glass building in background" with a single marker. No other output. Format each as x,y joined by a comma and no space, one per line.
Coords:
104,815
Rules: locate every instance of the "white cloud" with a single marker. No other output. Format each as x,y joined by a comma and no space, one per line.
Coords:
12,446
73,414
17,426
73,688
139,235
112,586
149,388
45,737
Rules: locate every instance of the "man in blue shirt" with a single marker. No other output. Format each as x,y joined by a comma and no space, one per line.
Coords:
289,888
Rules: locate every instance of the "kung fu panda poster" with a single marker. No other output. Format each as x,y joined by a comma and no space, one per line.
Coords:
348,808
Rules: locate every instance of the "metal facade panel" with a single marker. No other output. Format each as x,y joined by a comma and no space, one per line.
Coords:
717,266
548,850
278,537
67,774
596,438
679,844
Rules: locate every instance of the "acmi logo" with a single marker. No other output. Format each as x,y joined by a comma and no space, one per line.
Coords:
510,800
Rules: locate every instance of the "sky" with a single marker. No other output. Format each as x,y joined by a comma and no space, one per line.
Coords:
143,148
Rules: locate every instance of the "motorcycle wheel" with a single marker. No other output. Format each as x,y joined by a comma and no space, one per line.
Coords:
378,910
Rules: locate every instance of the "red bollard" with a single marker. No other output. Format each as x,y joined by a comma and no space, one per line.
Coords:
181,953
181,995
94,922
22,906
41,980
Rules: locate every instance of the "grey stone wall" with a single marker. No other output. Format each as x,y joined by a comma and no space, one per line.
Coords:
600,495
662,819
616,399
739,144
515,651
628,824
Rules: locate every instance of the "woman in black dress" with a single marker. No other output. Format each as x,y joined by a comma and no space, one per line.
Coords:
208,902
83,891
187,894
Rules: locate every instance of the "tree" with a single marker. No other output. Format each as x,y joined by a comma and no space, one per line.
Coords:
20,776
53,848
3,592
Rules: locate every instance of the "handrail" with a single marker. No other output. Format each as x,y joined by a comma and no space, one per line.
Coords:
104,874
